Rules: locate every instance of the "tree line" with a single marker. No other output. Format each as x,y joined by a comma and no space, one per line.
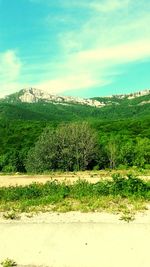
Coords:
77,146
73,146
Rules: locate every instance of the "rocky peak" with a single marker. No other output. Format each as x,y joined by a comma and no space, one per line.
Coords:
33,95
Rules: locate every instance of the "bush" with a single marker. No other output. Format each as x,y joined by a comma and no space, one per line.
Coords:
129,186
81,189
9,169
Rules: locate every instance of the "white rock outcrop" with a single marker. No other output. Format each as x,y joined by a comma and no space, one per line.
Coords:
33,95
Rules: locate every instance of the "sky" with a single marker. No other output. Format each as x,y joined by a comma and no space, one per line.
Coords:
82,48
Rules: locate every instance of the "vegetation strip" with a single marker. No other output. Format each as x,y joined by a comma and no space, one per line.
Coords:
121,194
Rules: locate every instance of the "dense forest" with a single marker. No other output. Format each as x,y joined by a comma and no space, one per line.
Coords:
121,133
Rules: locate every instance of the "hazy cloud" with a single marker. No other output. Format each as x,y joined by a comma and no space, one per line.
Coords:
10,69
109,5
85,43
92,53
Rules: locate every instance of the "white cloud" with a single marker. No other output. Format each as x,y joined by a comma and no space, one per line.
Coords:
10,65
95,67
93,53
109,5
10,69
70,82
118,54
112,33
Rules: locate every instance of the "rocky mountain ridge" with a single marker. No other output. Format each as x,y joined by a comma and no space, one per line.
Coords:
133,95
33,95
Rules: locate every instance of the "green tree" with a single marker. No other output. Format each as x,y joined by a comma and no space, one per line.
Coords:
44,154
142,152
69,147
112,149
126,151
78,146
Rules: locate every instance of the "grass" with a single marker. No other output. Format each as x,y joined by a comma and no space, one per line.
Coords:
8,263
128,217
124,195
11,215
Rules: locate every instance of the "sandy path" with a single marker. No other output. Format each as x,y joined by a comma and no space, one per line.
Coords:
76,240
25,179
7,180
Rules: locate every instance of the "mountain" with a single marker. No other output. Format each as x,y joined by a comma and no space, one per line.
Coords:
33,95
36,105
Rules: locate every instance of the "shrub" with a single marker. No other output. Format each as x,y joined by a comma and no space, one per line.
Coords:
8,263
129,186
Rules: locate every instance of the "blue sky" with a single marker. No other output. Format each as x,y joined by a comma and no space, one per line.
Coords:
75,47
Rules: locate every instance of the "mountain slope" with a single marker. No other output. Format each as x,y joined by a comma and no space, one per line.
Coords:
38,107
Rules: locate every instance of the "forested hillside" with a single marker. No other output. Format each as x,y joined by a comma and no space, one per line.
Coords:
115,109
122,127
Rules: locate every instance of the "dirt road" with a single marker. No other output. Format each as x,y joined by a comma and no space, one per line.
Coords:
76,240
7,180
13,180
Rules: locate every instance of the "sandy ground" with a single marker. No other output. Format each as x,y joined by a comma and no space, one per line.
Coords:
13,180
76,239
7,180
